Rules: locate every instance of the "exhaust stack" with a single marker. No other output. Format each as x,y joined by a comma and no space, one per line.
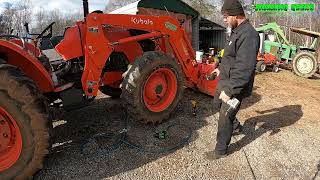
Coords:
85,8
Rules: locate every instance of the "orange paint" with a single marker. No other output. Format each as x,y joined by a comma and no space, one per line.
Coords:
28,63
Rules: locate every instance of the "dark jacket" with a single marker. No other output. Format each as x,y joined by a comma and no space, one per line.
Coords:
237,67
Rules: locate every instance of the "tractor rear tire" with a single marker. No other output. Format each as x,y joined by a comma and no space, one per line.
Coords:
24,125
261,66
304,64
152,87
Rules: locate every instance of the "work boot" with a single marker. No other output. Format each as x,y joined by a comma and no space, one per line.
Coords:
213,155
237,127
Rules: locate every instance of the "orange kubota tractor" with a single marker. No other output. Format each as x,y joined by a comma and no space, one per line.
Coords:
120,55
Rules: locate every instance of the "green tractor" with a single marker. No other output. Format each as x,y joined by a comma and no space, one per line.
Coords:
303,60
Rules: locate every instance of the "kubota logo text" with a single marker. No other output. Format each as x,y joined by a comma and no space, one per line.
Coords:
141,21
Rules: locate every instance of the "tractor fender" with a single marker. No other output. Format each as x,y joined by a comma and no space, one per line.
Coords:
15,55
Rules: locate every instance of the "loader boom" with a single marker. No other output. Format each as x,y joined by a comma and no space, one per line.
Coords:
98,48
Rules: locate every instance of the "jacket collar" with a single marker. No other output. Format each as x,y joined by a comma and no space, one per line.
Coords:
241,26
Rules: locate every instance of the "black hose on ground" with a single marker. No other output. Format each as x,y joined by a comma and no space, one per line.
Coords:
122,138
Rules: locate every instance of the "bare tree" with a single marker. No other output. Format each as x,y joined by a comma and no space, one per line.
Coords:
23,15
44,18
115,4
7,17
15,15
3,27
40,18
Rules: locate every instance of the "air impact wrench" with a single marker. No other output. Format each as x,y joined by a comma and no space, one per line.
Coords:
211,76
233,105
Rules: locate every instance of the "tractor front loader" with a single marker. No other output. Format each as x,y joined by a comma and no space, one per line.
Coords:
120,55
275,49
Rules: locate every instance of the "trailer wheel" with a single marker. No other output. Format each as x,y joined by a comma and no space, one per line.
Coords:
24,128
261,66
152,87
275,68
304,64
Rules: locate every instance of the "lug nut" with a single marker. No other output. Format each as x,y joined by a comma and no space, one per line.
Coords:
5,135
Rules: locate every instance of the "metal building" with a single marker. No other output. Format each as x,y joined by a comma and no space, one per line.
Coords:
211,35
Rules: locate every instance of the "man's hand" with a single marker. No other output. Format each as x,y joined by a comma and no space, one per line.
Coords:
217,71
225,98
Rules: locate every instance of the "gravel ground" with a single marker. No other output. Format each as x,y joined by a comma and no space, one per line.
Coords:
280,139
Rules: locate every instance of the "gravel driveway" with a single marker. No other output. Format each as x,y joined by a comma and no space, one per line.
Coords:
281,138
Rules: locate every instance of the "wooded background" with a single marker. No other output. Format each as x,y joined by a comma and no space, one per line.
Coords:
15,15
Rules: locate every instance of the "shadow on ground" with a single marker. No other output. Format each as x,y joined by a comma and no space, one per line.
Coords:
315,77
269,121
76,149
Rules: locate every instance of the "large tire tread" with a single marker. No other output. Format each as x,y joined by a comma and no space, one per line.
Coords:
295,59
16,87
134,79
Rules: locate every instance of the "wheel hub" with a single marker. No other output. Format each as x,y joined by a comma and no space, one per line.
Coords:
155,86
5,134
160,89
10,141
305,65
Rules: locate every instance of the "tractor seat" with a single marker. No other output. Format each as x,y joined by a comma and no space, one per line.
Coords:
49,43
55,40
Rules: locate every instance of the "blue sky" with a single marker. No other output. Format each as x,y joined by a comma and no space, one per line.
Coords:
64,5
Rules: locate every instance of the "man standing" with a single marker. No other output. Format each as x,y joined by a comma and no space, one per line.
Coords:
236,70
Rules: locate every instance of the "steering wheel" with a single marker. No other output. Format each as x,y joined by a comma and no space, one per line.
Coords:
45,30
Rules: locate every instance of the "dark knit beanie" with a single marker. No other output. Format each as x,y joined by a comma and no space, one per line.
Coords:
232,8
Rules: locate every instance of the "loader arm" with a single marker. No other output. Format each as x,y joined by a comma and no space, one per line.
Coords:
98,47
276,28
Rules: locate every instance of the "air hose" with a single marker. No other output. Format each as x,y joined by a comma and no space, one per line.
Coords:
122,138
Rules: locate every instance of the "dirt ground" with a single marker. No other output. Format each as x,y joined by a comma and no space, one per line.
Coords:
281,138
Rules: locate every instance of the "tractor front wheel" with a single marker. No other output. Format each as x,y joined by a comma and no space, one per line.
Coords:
261,66
305,64
153,87
24,128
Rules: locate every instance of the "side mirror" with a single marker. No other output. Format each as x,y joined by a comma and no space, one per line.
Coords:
26,25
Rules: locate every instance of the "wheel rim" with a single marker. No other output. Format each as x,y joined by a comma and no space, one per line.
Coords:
263,67
305,65
10,140
160,90
276,69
